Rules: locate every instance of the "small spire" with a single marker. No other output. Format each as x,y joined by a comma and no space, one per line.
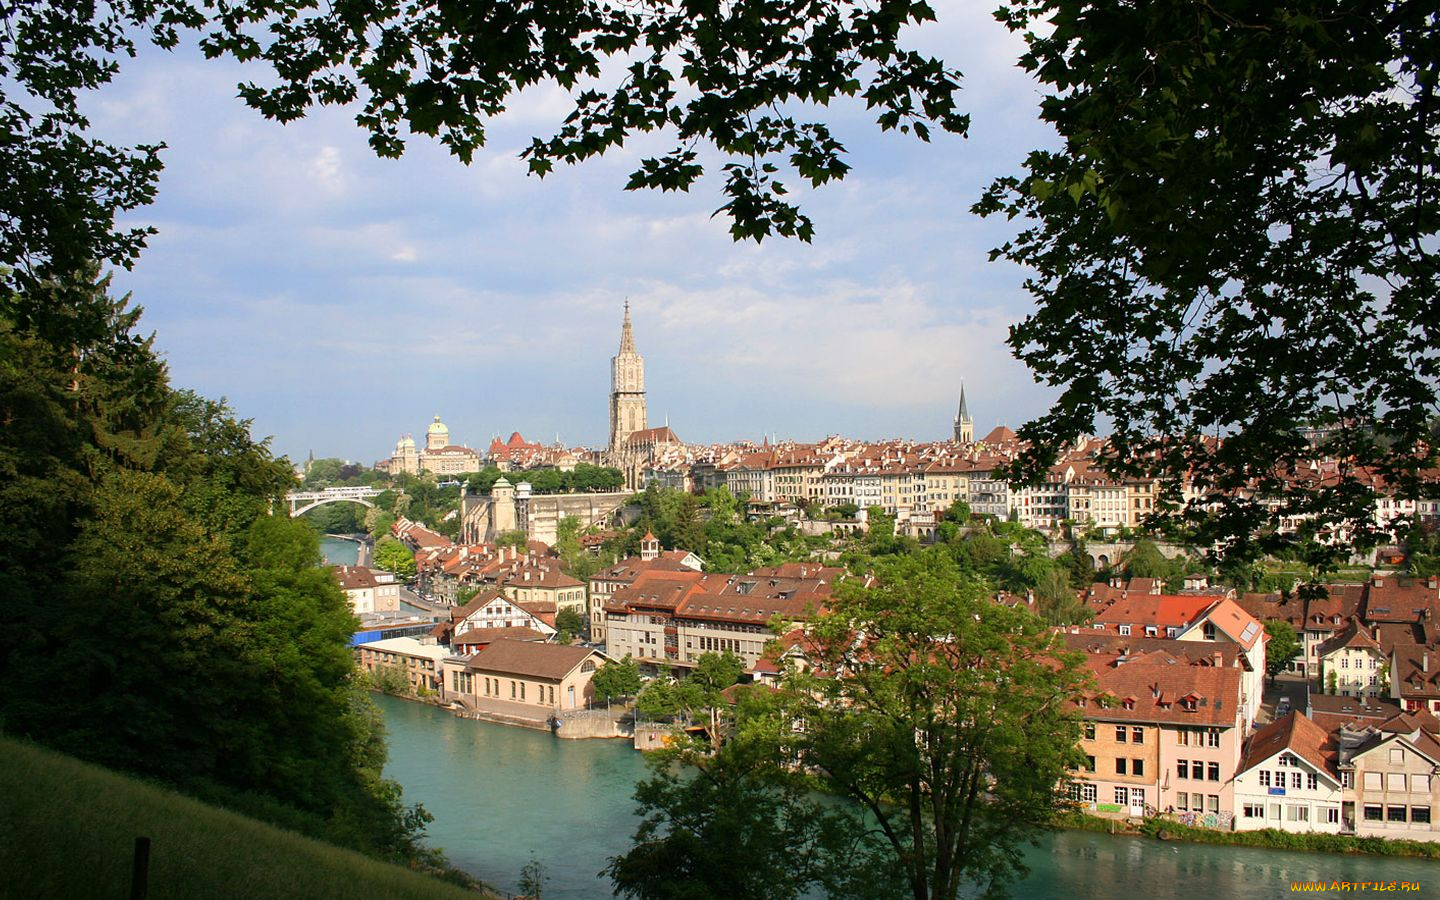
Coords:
627,340
963,413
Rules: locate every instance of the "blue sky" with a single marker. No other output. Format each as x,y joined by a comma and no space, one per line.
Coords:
340,300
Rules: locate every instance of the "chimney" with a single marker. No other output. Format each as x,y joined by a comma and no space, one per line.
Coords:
1378,581
1218,658
1425,661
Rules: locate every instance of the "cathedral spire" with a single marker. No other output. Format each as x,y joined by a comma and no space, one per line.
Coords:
964,425
627,339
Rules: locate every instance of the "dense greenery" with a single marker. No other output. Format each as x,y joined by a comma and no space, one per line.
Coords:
159,619
614,680
940,714
584,477
1283,646
1290,840
393,556
715,528
1235,238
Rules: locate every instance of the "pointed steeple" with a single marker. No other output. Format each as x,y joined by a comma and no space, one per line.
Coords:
964,425
627,339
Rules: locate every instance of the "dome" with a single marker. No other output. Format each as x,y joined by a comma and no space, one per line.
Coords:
405,443
437,427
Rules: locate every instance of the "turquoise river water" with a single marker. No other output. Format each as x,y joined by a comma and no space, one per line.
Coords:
502,796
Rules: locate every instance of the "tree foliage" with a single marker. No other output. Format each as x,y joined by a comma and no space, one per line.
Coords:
1236,240
159,619
393,556
1283,646
614,680
949,720
734,825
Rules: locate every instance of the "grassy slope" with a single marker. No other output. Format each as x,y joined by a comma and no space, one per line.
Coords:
67,829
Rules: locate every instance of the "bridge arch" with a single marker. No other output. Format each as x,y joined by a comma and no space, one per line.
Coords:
300,511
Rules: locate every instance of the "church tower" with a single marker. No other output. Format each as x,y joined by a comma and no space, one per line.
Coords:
964,425
627,389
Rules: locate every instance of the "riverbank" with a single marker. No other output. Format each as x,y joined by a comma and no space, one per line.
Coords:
503,796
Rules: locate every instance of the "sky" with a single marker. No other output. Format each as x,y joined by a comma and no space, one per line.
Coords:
340,300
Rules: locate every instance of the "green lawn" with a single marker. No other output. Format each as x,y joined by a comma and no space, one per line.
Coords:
68,829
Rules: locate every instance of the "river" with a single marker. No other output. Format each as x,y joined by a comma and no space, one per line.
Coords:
502,796
338,551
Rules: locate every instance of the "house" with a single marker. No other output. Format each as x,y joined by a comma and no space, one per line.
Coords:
1288,780
1354,661
551,676
493,609
1161,736
368,590
1393,772
1415,676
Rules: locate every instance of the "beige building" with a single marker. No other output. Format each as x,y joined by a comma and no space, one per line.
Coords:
1393,772
418,658
368,590
549,676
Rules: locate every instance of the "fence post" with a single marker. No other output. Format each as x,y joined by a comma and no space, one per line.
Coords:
140,872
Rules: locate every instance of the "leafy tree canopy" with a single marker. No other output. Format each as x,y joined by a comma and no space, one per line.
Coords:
1283,646
1235,239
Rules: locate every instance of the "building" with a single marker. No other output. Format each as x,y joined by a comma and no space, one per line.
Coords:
438,456
604,583
1353,660
549,676
368,590
1393,771
418,658
1160,736
627,389
964,425
1288,779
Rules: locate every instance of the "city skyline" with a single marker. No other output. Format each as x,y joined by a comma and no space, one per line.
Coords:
339,300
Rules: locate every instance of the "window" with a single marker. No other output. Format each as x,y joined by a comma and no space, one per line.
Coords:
1332,815
1088,793
1213,771
1374,813
1283,760
1420,815
1209,631
1125,630
1120,733
1182,768
1212,737
1264,778
1372,781
1137,796
1182,801
1182,737
1312,781
1137,735
1395,781
1344,663
1089,731
522,690
1396,814
1397,756
512,690
1296,779
1120,766
1254,811
1137,767
1419,784
1122,796
1212,802
1089,763
1374,664
1347,779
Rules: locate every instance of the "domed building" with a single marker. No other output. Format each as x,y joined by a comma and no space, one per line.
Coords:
405,458
439,455
437,436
